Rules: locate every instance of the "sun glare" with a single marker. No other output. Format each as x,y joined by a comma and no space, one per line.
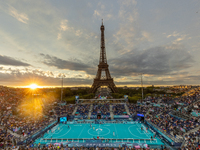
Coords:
33,86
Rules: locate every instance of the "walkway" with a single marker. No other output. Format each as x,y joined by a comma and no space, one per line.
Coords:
111,112
9,131
90,111
75,109
127,110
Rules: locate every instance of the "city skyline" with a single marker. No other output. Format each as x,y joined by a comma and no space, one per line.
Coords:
44,40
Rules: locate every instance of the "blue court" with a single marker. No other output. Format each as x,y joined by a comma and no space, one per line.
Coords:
114,132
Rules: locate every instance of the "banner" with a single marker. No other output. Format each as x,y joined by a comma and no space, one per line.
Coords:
97,144
140,115
121,116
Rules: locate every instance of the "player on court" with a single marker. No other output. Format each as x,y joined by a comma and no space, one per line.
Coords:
113,133
68,126
90,125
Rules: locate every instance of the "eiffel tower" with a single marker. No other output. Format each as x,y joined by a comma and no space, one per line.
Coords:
103,77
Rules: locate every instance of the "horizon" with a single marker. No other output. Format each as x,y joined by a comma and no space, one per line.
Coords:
129,86
43,41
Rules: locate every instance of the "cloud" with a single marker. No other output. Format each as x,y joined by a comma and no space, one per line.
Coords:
19,77
26,76
96,13
22,17
78,33
179,39
59,36
66,64
23,79
157,61
102,13
5,60
146,36
63,25
174,34
129,34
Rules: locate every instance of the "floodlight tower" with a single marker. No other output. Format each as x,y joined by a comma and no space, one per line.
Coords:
142,88
62,89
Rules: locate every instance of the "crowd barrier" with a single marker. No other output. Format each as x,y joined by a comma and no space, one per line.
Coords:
168,138
39,133
121,116
102,116
101,121
103,140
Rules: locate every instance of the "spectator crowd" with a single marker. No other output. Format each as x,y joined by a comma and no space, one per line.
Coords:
20,119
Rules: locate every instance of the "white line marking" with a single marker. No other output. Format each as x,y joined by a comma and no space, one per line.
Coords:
59,131
116,130
100,135
81,130
61,135
143,129
132,133
139,131
65,133
98,131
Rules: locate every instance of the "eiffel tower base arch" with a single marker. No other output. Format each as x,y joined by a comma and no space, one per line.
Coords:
98,83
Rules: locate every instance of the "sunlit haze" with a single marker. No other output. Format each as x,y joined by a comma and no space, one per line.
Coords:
33,86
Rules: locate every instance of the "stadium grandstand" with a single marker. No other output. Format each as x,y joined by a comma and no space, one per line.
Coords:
155,123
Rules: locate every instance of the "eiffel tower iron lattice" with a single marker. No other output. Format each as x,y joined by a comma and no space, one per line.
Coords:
103,77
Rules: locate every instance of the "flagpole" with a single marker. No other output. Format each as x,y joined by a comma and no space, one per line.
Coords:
142,88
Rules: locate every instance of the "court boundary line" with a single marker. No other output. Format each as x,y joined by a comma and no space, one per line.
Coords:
63,134
61,128
59,131
109,131
132,133
144,129
144,132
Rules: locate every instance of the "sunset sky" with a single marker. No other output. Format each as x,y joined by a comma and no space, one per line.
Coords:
41,40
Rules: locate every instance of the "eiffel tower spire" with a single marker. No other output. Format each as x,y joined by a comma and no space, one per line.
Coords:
103,77
103,51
